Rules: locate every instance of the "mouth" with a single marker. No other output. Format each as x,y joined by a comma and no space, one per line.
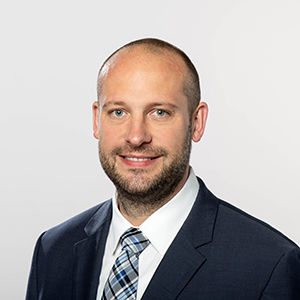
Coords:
133,158
138,160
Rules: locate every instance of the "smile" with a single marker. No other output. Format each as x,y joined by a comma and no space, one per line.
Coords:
136,158
138,161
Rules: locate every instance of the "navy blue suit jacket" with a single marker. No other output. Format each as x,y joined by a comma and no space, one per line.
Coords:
219,253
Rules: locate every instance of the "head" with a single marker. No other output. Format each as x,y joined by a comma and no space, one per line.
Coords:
147,114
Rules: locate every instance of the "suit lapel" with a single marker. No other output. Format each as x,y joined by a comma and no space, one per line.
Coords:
88,254
184,257
177,267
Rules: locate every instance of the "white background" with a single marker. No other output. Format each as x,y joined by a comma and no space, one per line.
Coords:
247,54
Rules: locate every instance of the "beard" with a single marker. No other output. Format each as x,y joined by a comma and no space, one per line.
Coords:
140,191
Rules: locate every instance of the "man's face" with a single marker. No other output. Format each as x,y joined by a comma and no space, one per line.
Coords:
144,128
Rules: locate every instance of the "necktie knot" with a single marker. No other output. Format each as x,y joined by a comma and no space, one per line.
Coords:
134,240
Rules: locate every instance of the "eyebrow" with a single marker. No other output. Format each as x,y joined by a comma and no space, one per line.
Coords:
162,104
122,103
113,103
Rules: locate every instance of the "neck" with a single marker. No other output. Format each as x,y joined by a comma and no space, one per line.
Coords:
136,212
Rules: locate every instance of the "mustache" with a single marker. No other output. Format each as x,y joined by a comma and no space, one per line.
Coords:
143,149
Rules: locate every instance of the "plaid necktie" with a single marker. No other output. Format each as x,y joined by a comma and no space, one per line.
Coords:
123,277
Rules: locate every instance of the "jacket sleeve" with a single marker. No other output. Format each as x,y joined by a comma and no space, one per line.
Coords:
284,282
32,287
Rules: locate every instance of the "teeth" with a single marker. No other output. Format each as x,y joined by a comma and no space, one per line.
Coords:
136,159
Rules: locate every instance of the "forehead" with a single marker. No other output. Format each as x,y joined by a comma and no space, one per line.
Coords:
143,56
142,69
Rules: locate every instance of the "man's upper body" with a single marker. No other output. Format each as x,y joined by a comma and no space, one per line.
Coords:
147,114
220,252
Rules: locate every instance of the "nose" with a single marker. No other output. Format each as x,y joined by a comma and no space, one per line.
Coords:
138,132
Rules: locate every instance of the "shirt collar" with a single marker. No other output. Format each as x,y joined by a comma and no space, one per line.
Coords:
163,225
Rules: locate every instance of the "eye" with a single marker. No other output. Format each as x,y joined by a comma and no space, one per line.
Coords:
160,113
118,113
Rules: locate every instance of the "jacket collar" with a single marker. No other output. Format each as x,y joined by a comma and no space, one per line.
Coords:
88,254
102,215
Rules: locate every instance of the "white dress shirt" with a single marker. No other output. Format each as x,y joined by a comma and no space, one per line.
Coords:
160,228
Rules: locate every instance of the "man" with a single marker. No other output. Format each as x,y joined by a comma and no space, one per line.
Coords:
164,235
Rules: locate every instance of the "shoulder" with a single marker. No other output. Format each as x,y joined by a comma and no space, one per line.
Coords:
237,230
259,248
235,226
243,251
243,227
244,222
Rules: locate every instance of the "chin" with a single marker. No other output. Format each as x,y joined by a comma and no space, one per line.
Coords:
140,181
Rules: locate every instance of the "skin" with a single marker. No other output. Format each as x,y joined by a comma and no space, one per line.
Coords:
142,106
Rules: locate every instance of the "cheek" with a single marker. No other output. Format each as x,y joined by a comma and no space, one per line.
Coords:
111,129
170,138
108,137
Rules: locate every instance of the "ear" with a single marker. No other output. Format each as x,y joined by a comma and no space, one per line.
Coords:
96,119
199,121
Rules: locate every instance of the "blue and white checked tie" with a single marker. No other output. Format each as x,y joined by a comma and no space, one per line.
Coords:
123,277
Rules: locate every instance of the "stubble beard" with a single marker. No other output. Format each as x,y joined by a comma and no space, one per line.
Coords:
142,193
